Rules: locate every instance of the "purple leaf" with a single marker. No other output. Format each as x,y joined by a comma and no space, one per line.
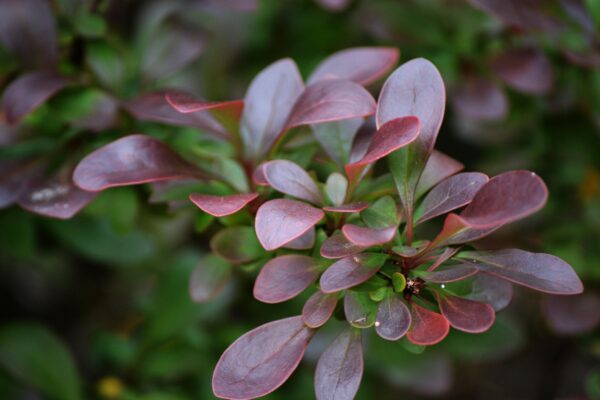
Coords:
154,107
491,290
236,244
261,360
363,65
538,271
348,208
258,176
331,100
318,309
54,197
28,30
289,178
452,193
439,166
480,99
304,242
208,278
337,246
351,271
280,221
131,160
391,136
428,327
393,318
521,14
285,277
14,178
572,315
28,92
340,368
367,237
267,105
186,103
526,70
415,88
220,206
451,274
466,315
334,5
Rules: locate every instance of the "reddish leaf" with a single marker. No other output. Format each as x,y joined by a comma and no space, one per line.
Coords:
289,178
131,160
393,318
258,176
340,368
523,14
331,100
220,206
267,105
337,246
261,360
428,327
439,166
186,103
572,315
54,197
351,271
348,208
208,278
538,271
362,65
28,92
28,30
334,5
452,193
367,237
304,242
480,99
491,290
15,177
391,136
526,70
417,89
153,107
285,277
451,274
280,221
318,309
237,244
467,315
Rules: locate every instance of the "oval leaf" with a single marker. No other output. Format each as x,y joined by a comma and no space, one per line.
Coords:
491,290
359,309
450,194
289,178
337,246
331,100
428,327
340,368
467,315
318,309
220,206
367,237
304,242
28,92
362,65
526,70
336,187
267,105
261,360
280,221
236,244
538,271
393,318
285,277
208,278
480,99
131,160
351,271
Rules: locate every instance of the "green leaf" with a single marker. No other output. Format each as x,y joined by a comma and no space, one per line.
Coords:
360,310
37,358
381,214
237,244
90,25
106,63
119,205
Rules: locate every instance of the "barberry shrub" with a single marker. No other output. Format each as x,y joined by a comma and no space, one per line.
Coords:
354,239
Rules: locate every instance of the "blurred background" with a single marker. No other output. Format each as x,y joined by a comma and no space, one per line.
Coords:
97,307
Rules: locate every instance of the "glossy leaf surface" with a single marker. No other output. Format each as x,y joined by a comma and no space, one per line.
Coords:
340,368
289,178
261,360
428,327
367,237
280,221
285,277
220,206
337,246
131,160
318,309
467,315
351,271
393,318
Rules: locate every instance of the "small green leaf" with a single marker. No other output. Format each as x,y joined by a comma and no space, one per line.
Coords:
90,25
360,310
399,282
237,244
381,214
